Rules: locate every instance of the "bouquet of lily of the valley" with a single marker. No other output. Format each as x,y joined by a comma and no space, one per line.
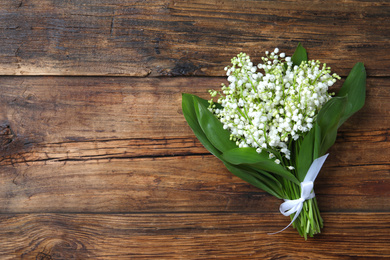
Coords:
273,124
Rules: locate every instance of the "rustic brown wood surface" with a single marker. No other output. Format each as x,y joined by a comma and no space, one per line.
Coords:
180,37
95,166
189,236
113,144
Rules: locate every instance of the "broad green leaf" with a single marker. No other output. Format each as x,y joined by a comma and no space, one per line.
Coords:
202,101
277,169
350,99
189,113
328,120
254,179
213,128
299,55
355,87
308,152
295,150
267,175
317,141
249,156
265,182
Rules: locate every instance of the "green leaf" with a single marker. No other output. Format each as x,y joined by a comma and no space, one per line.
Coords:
249,156
189,113
355,87
308,151
213,128
299,55
328,120
255,179
266,175
317,142
265,182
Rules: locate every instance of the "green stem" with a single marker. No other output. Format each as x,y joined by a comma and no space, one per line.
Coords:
309,221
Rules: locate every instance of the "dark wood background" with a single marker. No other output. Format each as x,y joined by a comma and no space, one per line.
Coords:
97,161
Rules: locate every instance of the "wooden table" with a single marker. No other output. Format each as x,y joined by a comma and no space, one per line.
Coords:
97,161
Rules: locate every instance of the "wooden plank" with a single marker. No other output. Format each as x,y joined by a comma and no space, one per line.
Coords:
358,148
63,109
179,37
189,236
63,118
174,184
157,184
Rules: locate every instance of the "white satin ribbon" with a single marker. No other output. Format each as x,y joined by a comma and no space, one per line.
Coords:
289,207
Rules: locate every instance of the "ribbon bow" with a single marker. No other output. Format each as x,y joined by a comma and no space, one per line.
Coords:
289,207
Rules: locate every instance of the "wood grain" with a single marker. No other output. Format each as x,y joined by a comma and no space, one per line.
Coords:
95,166
189,236
174,184
179,37
63,118
63,109
122,145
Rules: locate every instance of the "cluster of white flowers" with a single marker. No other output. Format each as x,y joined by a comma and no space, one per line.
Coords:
267,110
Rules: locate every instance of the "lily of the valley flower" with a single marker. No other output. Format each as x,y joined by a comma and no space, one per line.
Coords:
269,105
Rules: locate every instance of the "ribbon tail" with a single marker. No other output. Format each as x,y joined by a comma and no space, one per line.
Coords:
315,168
295,217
